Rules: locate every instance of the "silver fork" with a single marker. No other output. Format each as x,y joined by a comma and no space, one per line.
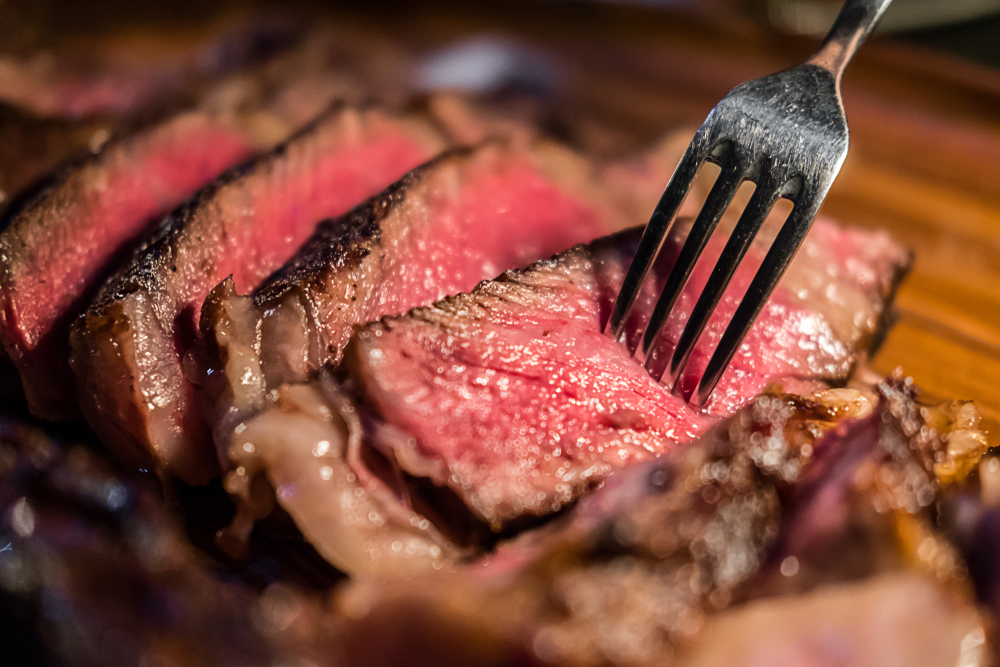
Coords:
787,133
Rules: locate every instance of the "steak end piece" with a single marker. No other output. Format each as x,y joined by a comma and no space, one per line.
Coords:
128,348
724,552
59,246
463,217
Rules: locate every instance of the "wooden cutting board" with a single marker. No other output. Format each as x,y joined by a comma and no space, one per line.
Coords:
924,161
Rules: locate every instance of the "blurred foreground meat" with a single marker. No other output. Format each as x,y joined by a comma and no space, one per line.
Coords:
459,219
470,417
96,562
128,348
804,531
764,542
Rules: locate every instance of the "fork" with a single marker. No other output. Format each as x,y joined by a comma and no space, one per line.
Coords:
787,133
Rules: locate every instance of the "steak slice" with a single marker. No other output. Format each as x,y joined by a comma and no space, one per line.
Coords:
59,245
491,407
128,348
541,405
459,219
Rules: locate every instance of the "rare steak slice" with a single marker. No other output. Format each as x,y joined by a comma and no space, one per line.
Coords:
508,402
61,243
541,405
128,348
459,219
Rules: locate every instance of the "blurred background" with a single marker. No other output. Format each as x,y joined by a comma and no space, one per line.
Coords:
969,28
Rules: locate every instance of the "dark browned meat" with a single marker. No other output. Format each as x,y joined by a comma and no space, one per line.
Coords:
725,552
449,224
97,568
508,402
128,349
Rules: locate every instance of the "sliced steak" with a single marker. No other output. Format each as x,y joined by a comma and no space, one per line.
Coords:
671,561
59,245
460,219
129,347
506,403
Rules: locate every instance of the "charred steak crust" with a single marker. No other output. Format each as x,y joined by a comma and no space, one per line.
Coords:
799,519
340,243
129,347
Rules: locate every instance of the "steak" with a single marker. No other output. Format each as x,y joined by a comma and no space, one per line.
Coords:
128,348
450,223
685,560
505,403
60,244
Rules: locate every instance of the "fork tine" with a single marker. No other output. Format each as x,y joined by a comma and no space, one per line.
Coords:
655,232
718,201
746,229
775,262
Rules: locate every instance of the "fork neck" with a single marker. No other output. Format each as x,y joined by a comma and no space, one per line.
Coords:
855,22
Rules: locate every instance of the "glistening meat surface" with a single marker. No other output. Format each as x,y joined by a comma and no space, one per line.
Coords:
128,349
462,218
511,398
542,405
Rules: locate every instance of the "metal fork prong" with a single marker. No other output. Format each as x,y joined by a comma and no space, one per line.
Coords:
739,242
652,238
719,199
775,262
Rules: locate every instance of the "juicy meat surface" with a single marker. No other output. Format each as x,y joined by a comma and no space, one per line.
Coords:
60,245
460,219
508,402
128,348
542,405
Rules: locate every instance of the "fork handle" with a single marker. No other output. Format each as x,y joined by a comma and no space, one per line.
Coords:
855,22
